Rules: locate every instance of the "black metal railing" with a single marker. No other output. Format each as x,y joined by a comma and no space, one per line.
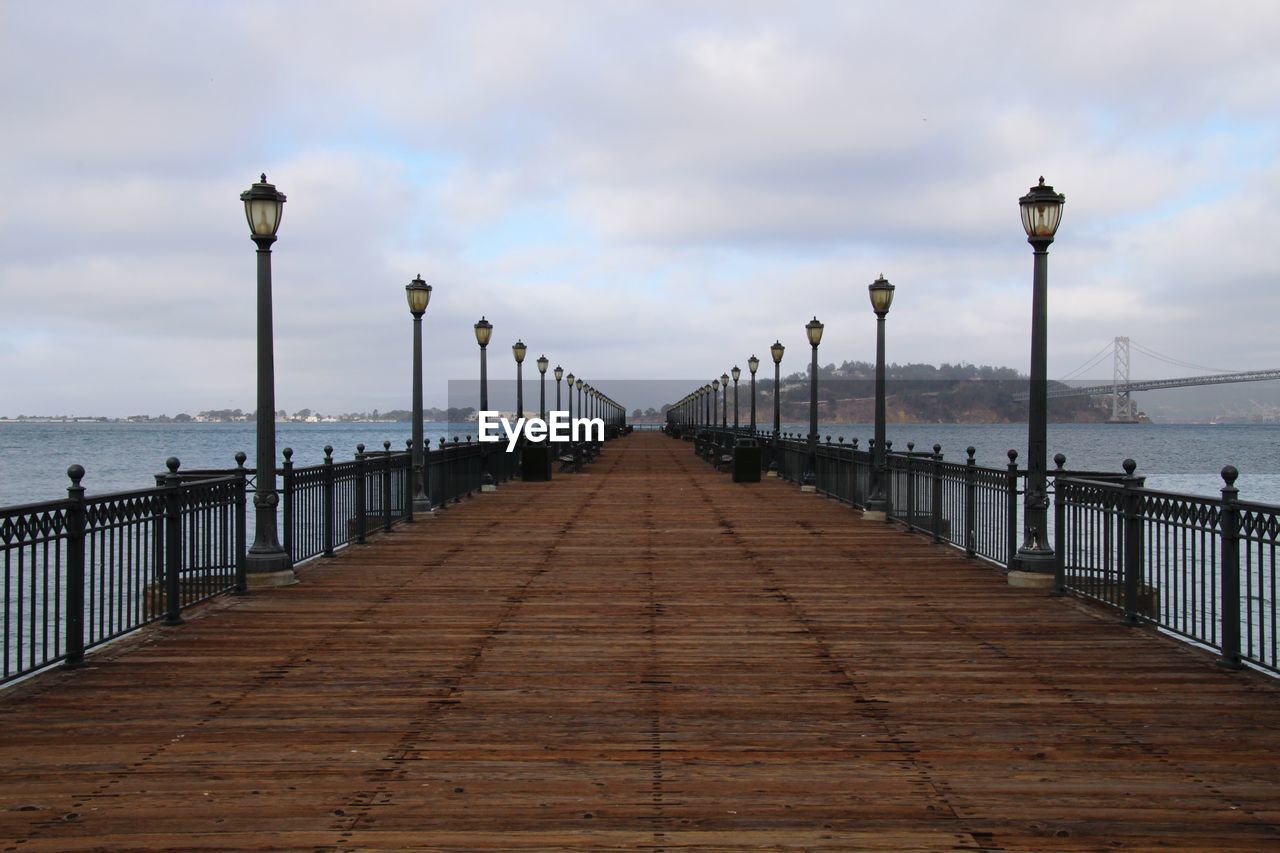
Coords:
83,571
1202,568
971,507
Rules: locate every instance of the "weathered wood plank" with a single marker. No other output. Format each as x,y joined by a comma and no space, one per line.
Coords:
645,655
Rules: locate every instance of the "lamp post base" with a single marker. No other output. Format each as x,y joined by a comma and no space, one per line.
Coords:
422,507
808,488
268,568
877,508
1032,568
488,487
267,580
1030,580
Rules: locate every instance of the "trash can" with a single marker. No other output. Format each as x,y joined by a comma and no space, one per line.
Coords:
535,461
746,461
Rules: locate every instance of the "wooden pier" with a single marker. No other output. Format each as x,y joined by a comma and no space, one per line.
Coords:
645,655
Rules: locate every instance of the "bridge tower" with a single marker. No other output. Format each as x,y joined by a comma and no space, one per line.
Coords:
1123,408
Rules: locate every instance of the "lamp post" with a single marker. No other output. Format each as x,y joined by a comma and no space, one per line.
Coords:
569,388
266,564
484,331
724,401
558,373
542,388
710,402
418,292
776,352
881,292
814,330
1041,213
715,400
578,385
753,364
736,372
518,349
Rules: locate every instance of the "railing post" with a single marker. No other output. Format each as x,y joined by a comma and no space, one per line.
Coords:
472,482
886,480
75,569
446,473
1059,529
361,485
440,491
242,524
970,504
856,497
410,483
453,472
328,501
911,488
1229,522
286,487
172,542
1011,510
386,486
842,470
1132,542
935,509
432,491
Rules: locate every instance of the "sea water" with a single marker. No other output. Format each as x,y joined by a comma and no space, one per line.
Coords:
121,456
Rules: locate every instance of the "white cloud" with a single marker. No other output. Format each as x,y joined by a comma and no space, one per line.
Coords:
651,189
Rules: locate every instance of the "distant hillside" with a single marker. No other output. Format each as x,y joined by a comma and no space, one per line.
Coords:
920,393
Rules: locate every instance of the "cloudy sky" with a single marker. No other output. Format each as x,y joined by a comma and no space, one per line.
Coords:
638,190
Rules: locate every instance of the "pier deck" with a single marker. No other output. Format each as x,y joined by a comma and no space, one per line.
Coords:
645,655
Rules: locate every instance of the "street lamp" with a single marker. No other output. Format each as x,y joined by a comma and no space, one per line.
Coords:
881,292
776,352
814,330
753,364
737,372
1041,213
484,331
559,374
518,349
724,401
267,564
569,387
418,293
542,389
715,400
578,385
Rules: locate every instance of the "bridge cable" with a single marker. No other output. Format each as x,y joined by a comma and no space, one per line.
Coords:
1177,362
1092,362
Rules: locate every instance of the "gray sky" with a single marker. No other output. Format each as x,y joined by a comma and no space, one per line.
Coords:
638,190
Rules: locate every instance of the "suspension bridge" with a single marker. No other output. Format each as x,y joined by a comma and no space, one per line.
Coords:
1119,391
